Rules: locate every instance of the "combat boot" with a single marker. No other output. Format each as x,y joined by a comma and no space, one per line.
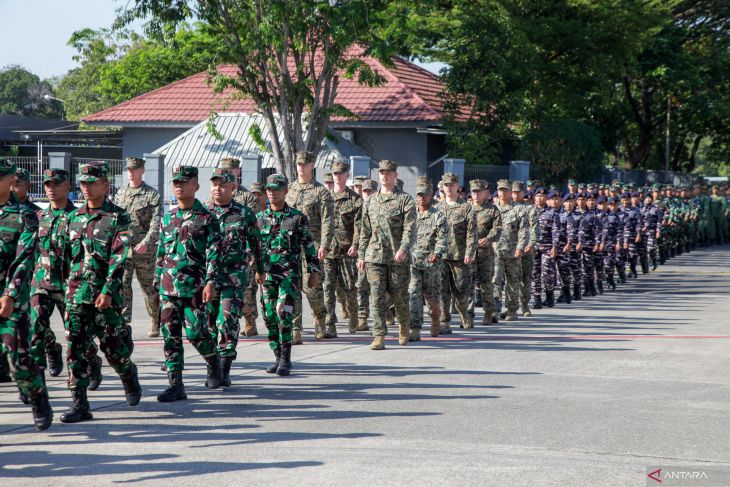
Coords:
362,324
249,329
296,336
132,389
285,362
526,311
378,343
176,391
55,360
415,335
435,323
4,369
537,303
561,296
566,292
644,267
634,274
271,369
592,289
510,317
445,329
653,264
586,290
576,292
622,276
331,331
154,329
94,372
80,410
226,363
600,287
352,324
319,333
550,298
42,412
611,283
403,334
214,372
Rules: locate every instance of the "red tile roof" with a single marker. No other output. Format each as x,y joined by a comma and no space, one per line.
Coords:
411,94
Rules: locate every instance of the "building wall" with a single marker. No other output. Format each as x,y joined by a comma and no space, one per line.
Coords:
138,141
401,145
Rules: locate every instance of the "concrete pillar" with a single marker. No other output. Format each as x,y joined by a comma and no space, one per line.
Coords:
359,166
519,170
455,166
59,160
154,172
250,169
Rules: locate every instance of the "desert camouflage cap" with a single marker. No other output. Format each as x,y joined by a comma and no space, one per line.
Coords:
276,181
55,176
478,185
518,186
450,178
359,180
184,173
7,167
93,171
22,174
504,184
424,185
329,178
304,157
226,175
369,185
257,188
230,163
135,162
340,167
387,165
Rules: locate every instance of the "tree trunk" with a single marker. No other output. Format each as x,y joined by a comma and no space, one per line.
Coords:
693,153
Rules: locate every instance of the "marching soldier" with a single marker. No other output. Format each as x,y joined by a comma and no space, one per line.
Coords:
548,230
527,261
368,188
489,230
143,204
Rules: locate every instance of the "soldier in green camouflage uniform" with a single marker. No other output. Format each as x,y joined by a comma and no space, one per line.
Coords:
387,237
250,307
18,226
527,261
489,229
188,266
98,244
51,270
455,274
284,238
432,243
340,269
144,206
312,199
21,188
240,242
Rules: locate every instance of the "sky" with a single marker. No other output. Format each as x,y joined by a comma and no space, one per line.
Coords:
34,33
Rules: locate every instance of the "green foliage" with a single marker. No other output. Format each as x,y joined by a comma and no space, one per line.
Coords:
23,93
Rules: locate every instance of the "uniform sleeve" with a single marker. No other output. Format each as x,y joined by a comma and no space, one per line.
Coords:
442,235
328,219
639,223
556,229
523,233
118,255
496,231
253,237
582,229
159,259
408,240
310,253
605,228
534,226
358,222
570,229
21,268
366,231
153,234
213,251
471,233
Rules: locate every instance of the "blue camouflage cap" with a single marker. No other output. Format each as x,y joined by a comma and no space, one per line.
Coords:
553,194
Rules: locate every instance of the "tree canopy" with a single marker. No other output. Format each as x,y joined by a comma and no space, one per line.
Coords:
23,93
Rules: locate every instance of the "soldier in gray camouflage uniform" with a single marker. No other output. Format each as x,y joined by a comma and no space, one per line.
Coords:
312,199
432,242
144,205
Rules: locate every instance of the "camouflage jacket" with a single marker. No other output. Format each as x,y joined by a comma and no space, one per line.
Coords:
462,229
30,204
144,206
652,217
348,218
51,266
514,231
633,223
98,243
548,221
315,201
568,231
388,225
283,236
188,255
240,241
244,197
612,231
432,237
529,214
18,239
489,226
589,231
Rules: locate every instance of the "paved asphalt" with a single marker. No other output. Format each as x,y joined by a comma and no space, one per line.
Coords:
588,394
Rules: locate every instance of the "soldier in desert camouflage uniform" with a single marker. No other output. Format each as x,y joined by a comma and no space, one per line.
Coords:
250,309
527,261
369,187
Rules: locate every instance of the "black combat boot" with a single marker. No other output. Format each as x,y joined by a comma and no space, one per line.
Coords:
653,264
176,391
592,289
566,293
80,410
600,286
214,372
644,267
576,292
4,369
634,274
611,283
622,275
55,360
132,389
561,296
537,304
285,362
550,299
42,412
94,371
226,363
23,397
271,369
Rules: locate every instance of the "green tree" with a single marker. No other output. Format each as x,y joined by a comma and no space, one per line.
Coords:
23,93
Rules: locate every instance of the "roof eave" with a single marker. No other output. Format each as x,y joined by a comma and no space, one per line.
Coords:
142,124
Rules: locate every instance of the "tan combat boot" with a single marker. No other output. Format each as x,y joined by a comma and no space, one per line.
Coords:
319,333
331,331
352,324
435,322
403,334
526,311
510,317
445,329
378,343
249,328
296,338
362,324
415,335
154,329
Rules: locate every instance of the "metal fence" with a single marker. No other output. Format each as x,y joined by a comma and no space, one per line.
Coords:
642,177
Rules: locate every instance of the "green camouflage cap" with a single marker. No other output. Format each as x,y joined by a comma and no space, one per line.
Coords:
450,178
93,171
387,165
184,173
424,185
572,182
340,167
230,163
518,186
56,176
276,181
22,174
530,182
7,168
656,187
504,184
304,157
257,188
369,185
478,185
222,173
329,178
135,162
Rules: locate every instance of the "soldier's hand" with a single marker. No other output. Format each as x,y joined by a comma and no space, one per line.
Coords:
483,242
468,260
140,248
6,306
208,293
103,302
361,265
321,253
618,247
626,245
313,279
596,247
528,249
566,248
554,252
432,259
602,247
579,246
259,279
352,251
518,253
638,238
400,257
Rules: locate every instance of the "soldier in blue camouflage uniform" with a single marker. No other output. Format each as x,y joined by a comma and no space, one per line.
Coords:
651,230
548,232
240,242
599,254
587,235
188,266
18,226
284,238
97,248
632,231
567,238
611,239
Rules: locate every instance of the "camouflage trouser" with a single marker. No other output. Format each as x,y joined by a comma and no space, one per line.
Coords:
543,272
425,285
610,261
564,268
576,266
250,310
363,295
388,281
190,313
484,273
15,338
315,296
340,273
224,319
83,322
632,253
456,283
588,269
507,274
277,302
599,265
143,265
42,338
527,267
